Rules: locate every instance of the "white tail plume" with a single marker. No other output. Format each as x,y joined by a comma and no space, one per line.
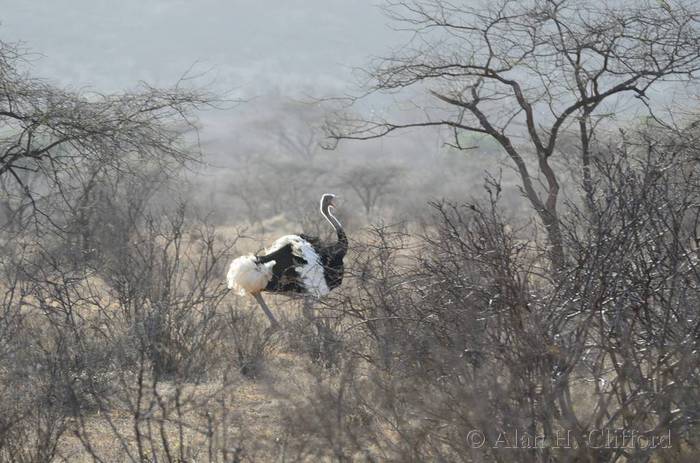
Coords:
247,276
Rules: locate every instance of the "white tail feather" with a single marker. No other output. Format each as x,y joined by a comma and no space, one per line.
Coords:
246,276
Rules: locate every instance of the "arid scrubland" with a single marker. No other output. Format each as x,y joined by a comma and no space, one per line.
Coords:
525,291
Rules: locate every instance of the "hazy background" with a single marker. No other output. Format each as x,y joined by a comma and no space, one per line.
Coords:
120,341
251,46
262,160
277,56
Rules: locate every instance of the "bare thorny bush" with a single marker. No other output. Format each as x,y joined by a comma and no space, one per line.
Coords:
112,317
136,350
473,338
466,330
252,342
494,343
436,334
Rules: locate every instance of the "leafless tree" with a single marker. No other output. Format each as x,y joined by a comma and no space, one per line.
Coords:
371,183
299,129
464,335
535,69
53,132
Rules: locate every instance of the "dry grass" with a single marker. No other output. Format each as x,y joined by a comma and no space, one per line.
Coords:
244,415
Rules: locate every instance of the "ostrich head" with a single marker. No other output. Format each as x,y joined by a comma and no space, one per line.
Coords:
327,200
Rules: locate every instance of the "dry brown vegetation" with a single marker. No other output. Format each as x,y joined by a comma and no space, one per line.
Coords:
561,326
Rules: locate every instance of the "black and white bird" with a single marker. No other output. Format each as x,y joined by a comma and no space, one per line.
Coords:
298,264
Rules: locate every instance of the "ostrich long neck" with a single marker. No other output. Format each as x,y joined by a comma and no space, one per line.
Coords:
342,238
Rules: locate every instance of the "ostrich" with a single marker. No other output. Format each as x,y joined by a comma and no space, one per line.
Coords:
293,264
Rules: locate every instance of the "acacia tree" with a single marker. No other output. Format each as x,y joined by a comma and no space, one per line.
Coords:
464,337
87,167
299,133
370,184
531,71
54,133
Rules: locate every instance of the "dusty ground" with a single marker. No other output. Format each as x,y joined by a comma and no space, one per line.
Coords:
247,417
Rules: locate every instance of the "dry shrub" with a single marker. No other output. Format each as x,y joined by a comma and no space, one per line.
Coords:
252,340
469,330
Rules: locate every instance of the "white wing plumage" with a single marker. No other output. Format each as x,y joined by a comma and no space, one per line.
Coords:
311,273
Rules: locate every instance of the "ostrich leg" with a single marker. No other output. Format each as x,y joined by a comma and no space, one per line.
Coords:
325,336
273,321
